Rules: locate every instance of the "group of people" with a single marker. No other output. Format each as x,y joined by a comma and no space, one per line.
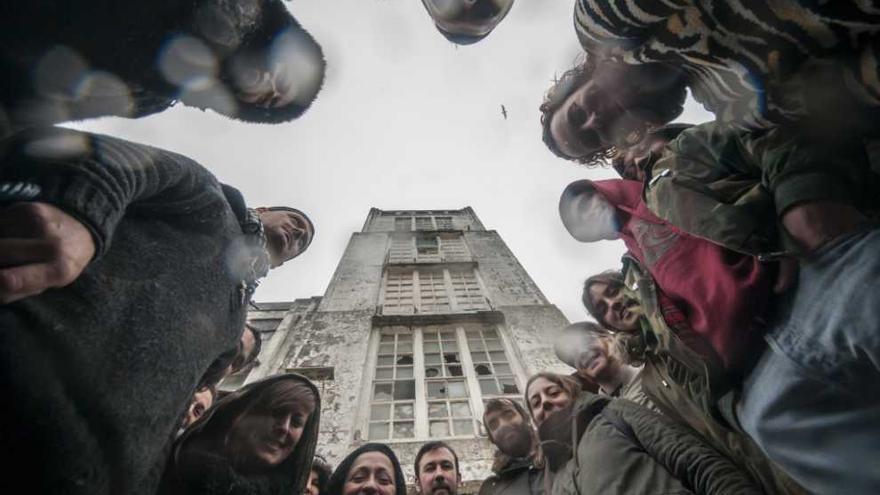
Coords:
735,351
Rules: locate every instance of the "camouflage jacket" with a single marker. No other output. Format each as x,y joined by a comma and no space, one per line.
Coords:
730,187
685,380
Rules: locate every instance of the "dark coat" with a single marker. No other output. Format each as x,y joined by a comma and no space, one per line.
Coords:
64,60
518,477
337,479
613,446
194,472
101,370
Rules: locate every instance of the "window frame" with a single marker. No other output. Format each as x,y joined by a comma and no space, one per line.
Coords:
421,420
455,306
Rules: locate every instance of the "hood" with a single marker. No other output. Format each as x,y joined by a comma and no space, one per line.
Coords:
626,196
561,431
288,477
337,480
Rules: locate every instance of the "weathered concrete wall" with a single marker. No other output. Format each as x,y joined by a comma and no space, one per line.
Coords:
356,283
506,281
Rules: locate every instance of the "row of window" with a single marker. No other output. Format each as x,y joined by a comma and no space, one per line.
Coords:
432,290
431,382
427,222
428,248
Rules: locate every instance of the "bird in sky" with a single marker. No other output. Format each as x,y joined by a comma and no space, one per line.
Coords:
504,112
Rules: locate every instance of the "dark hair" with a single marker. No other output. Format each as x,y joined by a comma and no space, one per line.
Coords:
500,405
657,110
613,278
566,383
320,466
339,476
300,213
241,361
432,446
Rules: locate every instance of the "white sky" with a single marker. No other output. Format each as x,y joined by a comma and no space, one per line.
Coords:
406,120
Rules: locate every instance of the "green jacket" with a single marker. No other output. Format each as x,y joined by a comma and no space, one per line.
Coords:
623,448
685,381
730,186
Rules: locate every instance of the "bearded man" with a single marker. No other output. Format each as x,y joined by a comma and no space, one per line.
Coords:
518,466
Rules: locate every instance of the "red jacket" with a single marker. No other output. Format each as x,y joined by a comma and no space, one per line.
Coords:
722,293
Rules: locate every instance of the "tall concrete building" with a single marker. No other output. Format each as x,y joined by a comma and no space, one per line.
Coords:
428,316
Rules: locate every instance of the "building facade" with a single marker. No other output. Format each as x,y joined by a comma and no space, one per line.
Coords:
427,316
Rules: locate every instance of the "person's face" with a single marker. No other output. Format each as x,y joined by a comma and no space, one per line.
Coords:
617,311
312,487
588,216
545,398
264,439
594,117
437,473
593,361
287,234
201,402
371,473
467,17
509,432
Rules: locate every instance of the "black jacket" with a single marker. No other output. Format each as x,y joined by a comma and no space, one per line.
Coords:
96,375
194,472
519,477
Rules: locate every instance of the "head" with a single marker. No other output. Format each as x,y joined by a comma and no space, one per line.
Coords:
289,232
606,301
436,469
318,477
586,214
467,21
268,430
588,348
600,107
547,393
372,469
269,69
201,401
509,427
249,346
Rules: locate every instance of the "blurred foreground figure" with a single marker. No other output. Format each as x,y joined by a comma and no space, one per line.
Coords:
621,447
467,21
372,468
518,468
124,276
63,61
258,440
755,65
318,477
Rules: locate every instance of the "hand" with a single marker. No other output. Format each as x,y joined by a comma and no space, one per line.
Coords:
816,223
41,247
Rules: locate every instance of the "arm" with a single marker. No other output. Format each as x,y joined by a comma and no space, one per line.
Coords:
683,453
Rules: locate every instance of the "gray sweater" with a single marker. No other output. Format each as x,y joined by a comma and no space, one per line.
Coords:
95,375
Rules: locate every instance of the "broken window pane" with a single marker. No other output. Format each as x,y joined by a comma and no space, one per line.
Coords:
405,390
432,372
405,359
403,430
403,411
454,370
482,369
382,391
436,390
451,358
508,385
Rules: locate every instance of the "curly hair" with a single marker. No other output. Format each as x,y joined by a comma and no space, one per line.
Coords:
659,96
562,88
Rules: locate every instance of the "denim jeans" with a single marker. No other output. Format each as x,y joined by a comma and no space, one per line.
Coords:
812,402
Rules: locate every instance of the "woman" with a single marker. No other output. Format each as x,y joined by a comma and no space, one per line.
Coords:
318,477
622,447
258,440
372,466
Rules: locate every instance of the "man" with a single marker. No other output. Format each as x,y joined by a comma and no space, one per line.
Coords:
518,466
246,60
437,469
467,21
201,402
126,271
816,65
592,352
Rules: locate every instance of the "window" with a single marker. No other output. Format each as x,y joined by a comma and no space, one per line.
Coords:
403,224
443,223
428,248
424,223
431,290
425,384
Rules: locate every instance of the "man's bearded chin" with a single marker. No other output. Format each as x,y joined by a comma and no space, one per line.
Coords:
517,444
441,484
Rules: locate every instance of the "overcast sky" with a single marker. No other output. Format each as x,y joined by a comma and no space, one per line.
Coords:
406,120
